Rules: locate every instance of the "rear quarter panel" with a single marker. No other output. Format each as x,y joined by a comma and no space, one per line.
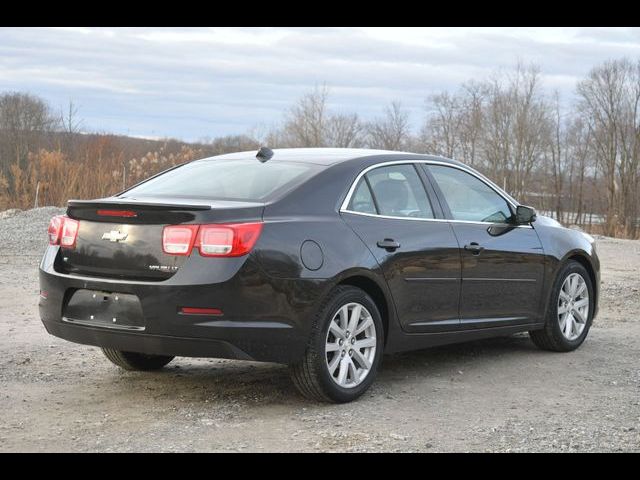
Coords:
305,226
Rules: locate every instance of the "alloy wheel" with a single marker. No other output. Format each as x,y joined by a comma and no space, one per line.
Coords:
573,306
350,345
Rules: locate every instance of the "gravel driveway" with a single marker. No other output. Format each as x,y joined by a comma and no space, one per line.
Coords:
493,395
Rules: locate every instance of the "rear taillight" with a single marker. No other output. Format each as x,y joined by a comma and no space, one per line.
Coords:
179,239
231,240
63,231
69,232
55,229
224,240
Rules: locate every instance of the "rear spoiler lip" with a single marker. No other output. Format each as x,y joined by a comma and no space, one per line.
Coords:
129,203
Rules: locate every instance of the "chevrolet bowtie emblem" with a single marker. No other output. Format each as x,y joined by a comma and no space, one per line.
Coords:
115,236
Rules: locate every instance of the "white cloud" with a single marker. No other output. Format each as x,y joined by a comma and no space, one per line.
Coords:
196,82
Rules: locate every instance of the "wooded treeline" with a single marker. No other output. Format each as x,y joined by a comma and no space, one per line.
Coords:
576,159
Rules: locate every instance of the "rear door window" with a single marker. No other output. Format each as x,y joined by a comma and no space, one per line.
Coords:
362,200
399,192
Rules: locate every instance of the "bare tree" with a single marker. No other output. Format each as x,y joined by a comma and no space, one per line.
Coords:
344,131
305,123
233,143
310,124
70,122
609,101
471,122
515,124
558,158
441,132
580,157
70,126
25,120
392,131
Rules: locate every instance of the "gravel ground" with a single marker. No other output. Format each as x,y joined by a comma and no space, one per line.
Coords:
495,395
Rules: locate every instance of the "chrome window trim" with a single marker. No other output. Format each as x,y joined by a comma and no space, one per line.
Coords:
344,207
389,217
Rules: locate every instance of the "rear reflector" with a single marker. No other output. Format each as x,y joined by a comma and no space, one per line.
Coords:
178,239
200,311
63,231
117,213
223,240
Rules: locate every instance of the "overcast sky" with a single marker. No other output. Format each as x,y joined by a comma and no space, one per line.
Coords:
191,83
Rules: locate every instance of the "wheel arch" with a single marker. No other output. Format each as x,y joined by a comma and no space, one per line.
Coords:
583,259
378,293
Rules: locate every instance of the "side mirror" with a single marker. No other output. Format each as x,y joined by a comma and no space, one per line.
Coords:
525,215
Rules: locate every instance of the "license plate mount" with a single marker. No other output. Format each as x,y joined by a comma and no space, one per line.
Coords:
104,309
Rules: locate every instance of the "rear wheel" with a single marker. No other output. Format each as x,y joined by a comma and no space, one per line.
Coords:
136,361
344,350
570,312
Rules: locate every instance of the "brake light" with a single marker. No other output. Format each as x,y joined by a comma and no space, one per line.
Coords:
230,240
63,231
70,229
224,240
55,229
178,239
117,213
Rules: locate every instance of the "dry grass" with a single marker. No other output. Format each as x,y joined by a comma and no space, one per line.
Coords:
96,172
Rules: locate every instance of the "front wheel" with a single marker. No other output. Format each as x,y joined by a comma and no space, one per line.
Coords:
344,349
570,313
136,361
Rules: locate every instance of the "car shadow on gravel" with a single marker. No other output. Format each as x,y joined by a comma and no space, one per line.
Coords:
268,384
445,355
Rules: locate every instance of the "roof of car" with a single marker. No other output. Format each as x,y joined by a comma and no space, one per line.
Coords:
322,156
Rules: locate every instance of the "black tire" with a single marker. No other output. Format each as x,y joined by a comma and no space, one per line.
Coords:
550,337
136,361
311,374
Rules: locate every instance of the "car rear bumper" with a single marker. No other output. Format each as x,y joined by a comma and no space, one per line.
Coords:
264,319
145,342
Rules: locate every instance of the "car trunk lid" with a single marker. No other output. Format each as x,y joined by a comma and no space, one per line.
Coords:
122,237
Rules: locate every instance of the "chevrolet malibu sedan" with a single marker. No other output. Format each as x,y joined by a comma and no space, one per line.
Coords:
321,259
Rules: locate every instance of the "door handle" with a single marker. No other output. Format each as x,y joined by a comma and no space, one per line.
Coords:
389,244
474,248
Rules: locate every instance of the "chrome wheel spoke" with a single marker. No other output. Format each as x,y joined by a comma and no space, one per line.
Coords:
581,303
354,318
344,318
332,347
573,286
361,359
364,343
563,322
344,370
337,331
368,322
568,326
334,363
352,373
578,316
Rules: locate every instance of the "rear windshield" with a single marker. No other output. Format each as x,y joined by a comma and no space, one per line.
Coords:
226,180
